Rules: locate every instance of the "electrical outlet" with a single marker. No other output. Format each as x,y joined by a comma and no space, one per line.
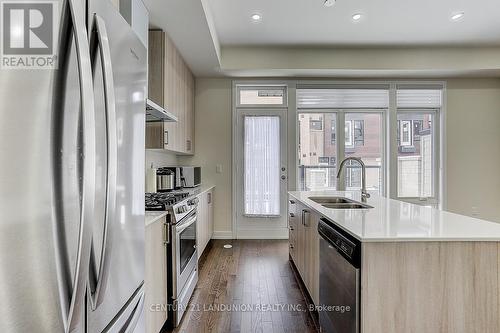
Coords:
218,168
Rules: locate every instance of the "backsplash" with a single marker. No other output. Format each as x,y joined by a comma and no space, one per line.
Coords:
160,159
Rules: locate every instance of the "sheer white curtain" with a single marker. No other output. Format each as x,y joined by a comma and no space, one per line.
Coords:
262,165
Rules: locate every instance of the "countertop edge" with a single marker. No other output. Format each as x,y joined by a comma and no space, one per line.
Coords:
152,217
203,189
396,240
338,225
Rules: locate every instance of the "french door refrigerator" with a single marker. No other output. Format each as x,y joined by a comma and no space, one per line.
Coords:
72,180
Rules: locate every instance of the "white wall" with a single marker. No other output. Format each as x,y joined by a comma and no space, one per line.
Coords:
473,150
213,146
473,147
160,159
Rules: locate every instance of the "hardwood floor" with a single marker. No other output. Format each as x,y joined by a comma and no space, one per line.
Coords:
248,288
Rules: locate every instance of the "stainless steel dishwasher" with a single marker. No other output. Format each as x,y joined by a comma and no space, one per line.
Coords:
339,280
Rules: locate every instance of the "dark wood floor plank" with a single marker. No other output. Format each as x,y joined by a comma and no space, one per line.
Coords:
248,288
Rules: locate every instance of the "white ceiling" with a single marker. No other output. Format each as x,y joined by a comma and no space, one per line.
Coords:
384,22
189,27
218,37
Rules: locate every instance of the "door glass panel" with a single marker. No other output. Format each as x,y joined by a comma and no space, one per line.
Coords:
262,159
317,151
187,241
415,155
363,139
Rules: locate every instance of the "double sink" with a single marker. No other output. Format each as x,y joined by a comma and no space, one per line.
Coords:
339,203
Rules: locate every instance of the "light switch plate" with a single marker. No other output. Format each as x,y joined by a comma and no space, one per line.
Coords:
218,168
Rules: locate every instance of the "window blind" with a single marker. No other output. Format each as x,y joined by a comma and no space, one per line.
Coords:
342,98
423,98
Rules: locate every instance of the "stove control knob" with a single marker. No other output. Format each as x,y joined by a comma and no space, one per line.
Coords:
193,201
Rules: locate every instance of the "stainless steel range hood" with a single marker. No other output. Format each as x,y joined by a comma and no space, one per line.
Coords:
154,112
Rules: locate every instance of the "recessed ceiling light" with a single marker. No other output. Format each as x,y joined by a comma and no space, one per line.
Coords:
457,16
256,17
329,3
357,17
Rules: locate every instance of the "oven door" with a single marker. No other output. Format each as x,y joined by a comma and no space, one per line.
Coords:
185,253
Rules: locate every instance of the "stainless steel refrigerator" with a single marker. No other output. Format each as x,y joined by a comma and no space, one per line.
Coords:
72,180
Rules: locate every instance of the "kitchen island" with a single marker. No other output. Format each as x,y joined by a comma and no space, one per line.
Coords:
421,269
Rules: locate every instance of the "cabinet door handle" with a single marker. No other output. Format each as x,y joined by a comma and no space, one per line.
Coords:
165,138
292,215
304,212
166,233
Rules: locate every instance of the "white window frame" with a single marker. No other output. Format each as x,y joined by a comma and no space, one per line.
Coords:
349,130
435,200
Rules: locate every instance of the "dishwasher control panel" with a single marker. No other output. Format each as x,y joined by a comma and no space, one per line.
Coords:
345,244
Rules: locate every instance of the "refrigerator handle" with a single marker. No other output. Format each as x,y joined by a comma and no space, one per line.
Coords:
135,316
112,157
76,19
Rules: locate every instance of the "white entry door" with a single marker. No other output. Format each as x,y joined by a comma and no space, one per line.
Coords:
261,174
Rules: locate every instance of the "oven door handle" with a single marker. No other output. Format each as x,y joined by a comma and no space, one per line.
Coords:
184,225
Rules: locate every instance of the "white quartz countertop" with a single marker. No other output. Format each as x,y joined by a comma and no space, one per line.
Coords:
151,217
394,221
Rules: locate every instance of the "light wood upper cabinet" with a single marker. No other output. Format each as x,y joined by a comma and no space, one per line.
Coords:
171,85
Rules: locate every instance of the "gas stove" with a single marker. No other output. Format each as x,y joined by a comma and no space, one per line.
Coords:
163,201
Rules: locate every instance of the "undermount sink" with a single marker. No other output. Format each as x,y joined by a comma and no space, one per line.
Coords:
339,203
330,200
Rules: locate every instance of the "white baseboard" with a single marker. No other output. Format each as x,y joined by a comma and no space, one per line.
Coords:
222,235
280,233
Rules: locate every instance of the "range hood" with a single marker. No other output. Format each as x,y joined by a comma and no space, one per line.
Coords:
154,112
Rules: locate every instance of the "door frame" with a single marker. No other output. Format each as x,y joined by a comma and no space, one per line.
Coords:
285,107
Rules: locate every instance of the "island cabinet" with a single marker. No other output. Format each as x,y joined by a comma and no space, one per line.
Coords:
171,86
430,271
205,222
304,245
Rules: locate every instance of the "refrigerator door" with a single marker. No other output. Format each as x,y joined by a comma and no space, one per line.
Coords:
46,185
131,318
117,265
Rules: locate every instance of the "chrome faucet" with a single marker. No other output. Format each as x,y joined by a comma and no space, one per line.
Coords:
364,194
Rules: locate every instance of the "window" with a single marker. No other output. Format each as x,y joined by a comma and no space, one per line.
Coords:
363,117
369,150
248,96
359,132
354,133
317,151
416,155
316,125
405,130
